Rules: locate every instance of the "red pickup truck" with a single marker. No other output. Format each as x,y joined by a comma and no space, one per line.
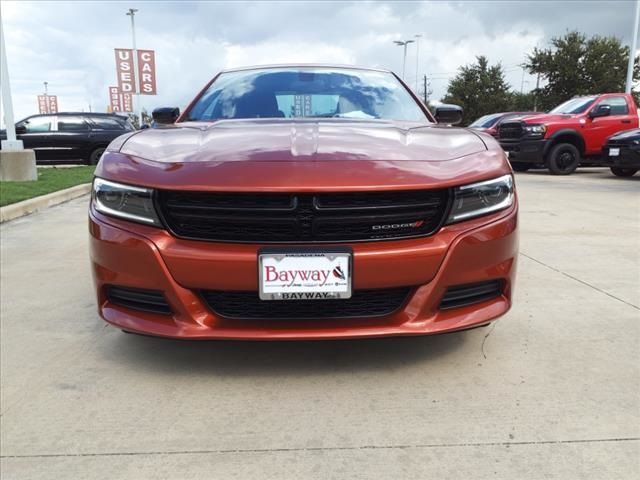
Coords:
571,134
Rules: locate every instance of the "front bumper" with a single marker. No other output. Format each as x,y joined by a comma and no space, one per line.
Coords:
525,151
138,256
628,157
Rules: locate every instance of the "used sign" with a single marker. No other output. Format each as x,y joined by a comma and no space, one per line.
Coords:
124,70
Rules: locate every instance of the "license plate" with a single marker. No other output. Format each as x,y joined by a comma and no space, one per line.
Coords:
614,152
304,275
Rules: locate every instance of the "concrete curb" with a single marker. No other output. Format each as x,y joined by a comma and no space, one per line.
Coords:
32,205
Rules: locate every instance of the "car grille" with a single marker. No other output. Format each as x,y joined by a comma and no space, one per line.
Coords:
300,218
362,304
617,143
510,130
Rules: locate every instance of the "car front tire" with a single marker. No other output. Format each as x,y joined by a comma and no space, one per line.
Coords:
564,158
521,167
623,172
95,155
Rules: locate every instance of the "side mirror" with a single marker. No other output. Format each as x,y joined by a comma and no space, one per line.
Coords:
20,129
448,114
600,111
166,115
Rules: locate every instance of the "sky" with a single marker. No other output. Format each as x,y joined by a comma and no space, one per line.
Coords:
70,44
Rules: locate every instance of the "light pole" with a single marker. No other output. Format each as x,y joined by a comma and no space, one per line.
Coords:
404,58
417,59
136,80
632,52
46,96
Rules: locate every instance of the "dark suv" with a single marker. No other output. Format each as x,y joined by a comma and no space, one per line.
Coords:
71,137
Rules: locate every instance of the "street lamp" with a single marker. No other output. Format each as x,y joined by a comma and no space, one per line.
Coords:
131,13
632,51
404,58
46,97
417,58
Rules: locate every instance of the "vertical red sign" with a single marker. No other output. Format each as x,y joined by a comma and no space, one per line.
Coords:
42,104
53,103
147,72
124,70
114,99
127,103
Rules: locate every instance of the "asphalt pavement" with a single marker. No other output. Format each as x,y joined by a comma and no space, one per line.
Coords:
552,390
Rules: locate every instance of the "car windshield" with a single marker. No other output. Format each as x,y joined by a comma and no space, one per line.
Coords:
575,105
486,121
307,93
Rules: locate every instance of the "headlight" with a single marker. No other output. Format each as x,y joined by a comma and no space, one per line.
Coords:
481,198
124,201
535,130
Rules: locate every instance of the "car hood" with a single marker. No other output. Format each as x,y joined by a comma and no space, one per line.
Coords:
391,159
297,140
545,118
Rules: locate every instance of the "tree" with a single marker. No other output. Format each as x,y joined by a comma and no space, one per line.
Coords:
479,89
135,121
147,119
575,65
522,102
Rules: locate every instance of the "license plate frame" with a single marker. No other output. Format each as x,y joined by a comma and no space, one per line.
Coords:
307,286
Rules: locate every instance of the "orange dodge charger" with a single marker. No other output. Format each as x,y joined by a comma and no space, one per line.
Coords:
303,202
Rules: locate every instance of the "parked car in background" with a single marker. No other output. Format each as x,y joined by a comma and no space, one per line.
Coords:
489,123
570,135
622,151
70,137
300,202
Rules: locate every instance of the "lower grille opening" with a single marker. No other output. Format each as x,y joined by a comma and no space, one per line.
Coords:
137,299
463,295
362,304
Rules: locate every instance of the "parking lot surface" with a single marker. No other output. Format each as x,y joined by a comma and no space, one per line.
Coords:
550,391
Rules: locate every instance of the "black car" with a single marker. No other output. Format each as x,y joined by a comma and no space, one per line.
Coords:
489,123
70,137
623,152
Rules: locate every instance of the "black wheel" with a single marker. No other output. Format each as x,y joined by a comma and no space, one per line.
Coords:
95,155
521,167
564,158
623,172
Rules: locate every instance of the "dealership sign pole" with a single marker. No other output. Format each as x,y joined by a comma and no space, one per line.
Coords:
136,71
632,51
46,98
134,53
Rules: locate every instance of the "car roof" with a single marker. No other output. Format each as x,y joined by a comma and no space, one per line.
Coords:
64,114
97,114
305,65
